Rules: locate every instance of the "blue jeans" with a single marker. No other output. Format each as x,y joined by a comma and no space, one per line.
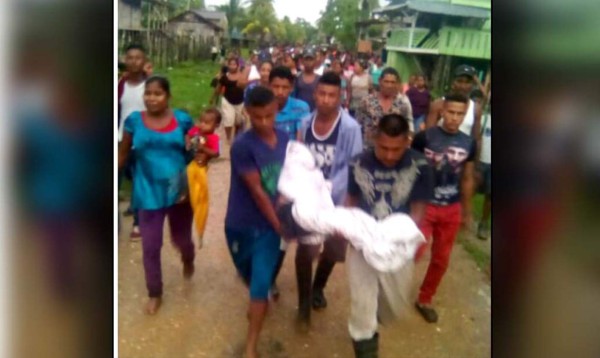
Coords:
418,121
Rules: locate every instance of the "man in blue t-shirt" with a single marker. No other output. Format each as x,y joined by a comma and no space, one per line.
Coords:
451,153
252,228
390,178
291,110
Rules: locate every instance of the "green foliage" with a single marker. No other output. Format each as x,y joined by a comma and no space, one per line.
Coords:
338,22
232,11
263,21
190,85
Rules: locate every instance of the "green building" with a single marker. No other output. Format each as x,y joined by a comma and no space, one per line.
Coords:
434,36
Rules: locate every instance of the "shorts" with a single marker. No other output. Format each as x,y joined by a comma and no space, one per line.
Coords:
255,253
232,113
485,172
335,249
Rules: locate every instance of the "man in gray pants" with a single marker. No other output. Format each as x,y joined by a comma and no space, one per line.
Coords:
390,178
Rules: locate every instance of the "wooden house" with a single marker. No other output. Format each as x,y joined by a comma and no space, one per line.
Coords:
193,24
434,36
130,15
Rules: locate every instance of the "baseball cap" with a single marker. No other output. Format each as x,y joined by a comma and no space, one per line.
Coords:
309,53
465,70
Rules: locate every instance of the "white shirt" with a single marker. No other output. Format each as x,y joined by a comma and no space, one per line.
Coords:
132,100
486,139
319,71
254,74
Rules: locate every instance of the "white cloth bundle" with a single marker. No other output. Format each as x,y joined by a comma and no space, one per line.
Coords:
386,245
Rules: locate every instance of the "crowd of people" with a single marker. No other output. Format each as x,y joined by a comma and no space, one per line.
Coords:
383,145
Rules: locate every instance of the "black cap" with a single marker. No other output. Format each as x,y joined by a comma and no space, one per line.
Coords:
309,53
465,70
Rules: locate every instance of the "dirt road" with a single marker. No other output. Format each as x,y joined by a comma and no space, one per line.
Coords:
206,317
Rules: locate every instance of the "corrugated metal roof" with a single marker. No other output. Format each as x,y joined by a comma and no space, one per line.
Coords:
438,7
210,14
200,18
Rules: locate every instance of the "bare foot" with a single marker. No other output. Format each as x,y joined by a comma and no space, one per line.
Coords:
251,353
153,305
188,270
302,325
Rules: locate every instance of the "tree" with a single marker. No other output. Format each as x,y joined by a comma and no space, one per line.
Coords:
262,20
231,10
338,22
179,6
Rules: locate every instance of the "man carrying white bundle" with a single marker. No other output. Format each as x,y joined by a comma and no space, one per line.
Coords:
390,178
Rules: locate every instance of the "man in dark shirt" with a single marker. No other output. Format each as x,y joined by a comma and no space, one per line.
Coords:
334,138
452,155
306,84
390,178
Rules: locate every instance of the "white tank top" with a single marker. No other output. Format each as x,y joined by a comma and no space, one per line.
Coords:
467,124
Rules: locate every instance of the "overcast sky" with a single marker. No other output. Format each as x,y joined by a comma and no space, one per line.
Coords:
305,9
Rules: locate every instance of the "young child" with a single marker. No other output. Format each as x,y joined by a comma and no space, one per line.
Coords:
203,142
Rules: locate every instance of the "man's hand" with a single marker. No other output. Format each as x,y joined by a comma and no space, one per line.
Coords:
337,236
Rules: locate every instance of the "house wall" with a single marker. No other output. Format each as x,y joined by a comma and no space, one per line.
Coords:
194,29
406,64
130,18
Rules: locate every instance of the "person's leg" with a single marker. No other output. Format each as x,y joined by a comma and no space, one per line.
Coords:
228,118
305,254
264,261
334,250
274,288
180,222
444,235
151,228
426,227
239,120
364,291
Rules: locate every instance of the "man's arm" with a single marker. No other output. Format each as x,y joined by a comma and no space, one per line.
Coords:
434,115
262,200
124,149
417,211
467,189
216,93
476,131
351,201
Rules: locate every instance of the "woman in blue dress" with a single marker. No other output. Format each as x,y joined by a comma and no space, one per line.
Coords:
158,136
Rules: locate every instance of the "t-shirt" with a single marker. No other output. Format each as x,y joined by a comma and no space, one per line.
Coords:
132,100
323,147
249,153
209,140
447,154
160,160
306,91
376,73
486,139
419,101
233,94
382,191
290,117
254,75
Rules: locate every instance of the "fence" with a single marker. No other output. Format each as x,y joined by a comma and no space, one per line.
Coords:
165,49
